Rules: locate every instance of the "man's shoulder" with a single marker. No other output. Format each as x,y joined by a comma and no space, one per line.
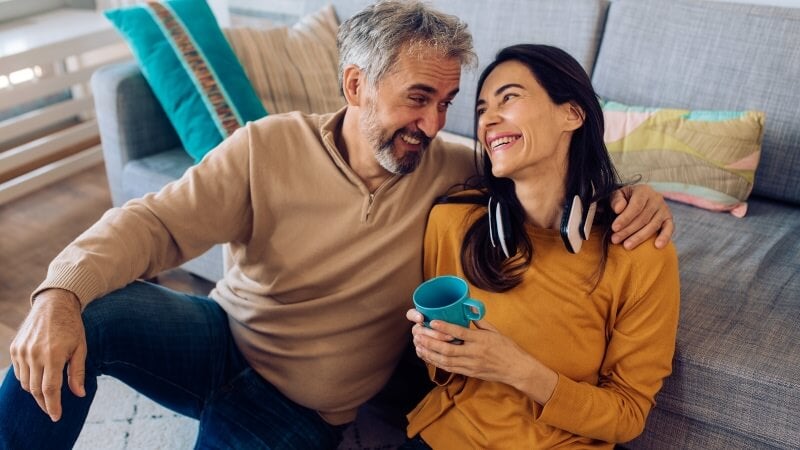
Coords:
297,119
456,141
277,132
449,161
454,147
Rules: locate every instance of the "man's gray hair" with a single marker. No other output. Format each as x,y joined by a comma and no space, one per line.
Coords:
373,38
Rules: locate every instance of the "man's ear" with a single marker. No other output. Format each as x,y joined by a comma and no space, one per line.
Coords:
574,116
353,84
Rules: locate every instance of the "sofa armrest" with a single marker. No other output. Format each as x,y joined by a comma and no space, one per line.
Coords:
131,121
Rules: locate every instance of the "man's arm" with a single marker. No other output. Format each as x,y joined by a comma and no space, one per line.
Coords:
208,205
642,213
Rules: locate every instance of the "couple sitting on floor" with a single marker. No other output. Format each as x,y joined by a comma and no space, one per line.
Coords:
324,216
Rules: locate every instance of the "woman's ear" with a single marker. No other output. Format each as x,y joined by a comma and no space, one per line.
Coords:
574,116
353,82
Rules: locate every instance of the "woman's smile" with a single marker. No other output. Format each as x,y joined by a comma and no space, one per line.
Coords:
500,142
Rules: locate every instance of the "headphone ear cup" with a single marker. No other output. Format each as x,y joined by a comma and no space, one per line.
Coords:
504,230
588,214
490,210
588,219
571,221
499,229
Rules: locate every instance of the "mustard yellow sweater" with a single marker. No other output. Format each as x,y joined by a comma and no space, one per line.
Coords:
323,270
612,348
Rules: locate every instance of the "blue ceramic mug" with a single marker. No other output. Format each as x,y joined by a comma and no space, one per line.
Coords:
447,298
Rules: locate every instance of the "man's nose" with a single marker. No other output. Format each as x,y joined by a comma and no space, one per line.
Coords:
432,121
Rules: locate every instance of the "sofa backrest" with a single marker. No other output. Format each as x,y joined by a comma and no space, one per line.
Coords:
699,54
574,25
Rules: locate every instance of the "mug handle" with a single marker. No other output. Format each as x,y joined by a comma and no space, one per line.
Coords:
469,304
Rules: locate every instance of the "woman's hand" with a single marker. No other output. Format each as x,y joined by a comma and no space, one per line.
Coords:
642,212
485,354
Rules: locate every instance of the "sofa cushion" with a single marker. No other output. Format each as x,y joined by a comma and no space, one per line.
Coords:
704,158
667,430
697,54
293,68
150,174
191,69
738,330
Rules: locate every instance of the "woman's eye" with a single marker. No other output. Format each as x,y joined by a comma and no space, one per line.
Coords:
508,97
418,100
480,111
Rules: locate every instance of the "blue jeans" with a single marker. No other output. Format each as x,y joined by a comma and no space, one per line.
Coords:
176,349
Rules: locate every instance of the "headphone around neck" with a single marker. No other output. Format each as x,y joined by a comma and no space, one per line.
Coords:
576,222
576,225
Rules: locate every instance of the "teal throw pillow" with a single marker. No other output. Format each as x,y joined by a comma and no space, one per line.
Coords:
191,68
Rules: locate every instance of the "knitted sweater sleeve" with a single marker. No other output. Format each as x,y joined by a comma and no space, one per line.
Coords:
209,204
638,357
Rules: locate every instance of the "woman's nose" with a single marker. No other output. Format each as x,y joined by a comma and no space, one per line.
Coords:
488,118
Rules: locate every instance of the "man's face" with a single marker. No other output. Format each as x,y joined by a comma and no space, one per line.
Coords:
408,108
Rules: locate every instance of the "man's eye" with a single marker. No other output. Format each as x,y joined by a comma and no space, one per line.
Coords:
480,111
445,105
419,100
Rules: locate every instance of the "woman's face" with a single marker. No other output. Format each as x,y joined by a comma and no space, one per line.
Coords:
524,133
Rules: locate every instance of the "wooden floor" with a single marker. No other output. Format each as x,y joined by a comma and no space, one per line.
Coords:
34,229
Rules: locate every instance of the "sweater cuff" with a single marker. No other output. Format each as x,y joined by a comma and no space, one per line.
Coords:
439,376
75,279
561,407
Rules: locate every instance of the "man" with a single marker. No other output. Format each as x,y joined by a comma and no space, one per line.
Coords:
324,216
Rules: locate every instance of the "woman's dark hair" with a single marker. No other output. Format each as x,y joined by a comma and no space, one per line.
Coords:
589,164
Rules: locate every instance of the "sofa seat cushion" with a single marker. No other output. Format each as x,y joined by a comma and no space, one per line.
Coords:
151,173
738,332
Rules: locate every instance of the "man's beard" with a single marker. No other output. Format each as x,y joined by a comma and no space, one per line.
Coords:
408,162
384,147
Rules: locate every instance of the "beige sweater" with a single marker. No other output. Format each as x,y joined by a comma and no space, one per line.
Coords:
323,270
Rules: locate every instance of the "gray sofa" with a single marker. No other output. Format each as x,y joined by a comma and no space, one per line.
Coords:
736,379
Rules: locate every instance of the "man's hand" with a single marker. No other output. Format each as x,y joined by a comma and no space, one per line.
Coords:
51,337
642,213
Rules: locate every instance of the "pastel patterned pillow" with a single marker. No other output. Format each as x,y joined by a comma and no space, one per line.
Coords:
704,158
191,68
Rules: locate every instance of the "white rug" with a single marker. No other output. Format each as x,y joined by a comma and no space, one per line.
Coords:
122,419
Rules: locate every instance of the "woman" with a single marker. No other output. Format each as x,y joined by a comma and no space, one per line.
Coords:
578,334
